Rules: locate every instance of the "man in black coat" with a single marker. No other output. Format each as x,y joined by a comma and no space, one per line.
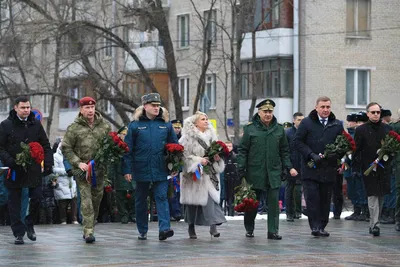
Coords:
21,126
316,131
368,139
293,184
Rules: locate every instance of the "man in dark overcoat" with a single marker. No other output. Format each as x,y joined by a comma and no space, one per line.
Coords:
368,138
22,126
316,131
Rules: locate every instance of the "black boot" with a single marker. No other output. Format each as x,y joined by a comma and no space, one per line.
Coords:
384,215
363,215
389,217
354,216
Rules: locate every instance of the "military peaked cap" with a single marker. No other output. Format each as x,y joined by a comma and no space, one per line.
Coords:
266,104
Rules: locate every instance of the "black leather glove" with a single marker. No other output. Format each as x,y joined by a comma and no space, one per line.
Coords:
316,158
69,173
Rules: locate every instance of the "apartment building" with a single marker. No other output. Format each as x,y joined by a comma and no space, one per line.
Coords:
349,52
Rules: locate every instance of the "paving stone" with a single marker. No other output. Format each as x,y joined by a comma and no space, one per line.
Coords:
117,245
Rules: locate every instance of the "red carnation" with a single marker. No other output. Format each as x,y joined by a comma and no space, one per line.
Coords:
224,147
37,152
128,196
108,188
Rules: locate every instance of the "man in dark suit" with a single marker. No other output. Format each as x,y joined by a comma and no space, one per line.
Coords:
316,131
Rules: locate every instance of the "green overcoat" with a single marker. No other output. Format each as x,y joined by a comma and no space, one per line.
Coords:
263,154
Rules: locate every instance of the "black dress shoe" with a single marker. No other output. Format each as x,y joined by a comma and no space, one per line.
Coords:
142,236
30,232
370,230
376,231
323,233
165,234
289,218
90,239
315,233
336,217
19,240
274,236
249,234
398,227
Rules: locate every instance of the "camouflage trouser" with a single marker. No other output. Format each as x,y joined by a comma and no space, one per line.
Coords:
90,201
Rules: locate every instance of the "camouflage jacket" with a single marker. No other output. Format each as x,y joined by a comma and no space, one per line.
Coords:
81,142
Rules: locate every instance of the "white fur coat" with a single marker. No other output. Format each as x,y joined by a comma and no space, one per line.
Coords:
196,192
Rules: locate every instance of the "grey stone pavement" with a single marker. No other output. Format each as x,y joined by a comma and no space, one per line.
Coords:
117,245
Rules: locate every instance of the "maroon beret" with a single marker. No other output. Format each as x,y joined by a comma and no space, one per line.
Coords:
87,100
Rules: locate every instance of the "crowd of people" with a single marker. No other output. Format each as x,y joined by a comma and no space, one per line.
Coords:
269,155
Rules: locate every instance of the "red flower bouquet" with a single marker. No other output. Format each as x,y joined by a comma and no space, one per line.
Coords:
390,146
343,147
245,198
31,153
111,150
216,148
174,157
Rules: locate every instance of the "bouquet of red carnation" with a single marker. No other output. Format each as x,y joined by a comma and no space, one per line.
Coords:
32,152
216,148
343,147
245,198
111,150
174,157
390,146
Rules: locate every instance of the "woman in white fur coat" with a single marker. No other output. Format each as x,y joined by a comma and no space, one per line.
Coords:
201,197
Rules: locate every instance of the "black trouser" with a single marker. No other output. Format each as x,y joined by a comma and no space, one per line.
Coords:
338,195
318,201
14,208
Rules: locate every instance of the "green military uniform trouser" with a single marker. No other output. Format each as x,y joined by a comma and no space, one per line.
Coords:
273,212
90,201
126,207
397,216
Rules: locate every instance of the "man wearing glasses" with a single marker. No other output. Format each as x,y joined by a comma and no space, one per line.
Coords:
368,139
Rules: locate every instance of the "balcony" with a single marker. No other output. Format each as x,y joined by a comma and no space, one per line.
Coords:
152,58
269,43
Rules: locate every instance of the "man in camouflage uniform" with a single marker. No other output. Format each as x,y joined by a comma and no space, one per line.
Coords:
80,144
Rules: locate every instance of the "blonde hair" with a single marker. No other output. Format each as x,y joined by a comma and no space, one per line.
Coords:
197,116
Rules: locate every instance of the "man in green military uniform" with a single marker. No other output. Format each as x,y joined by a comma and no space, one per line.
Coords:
263,154
80,144
124,190
396,127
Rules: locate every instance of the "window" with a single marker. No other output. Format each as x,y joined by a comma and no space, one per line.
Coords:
68,48
209,98
76,92
357,88
183,31
4,11
45,50
46,104
184,92
274,78
107,47
5,105
267,14
104,106
211,25
358,18
28,53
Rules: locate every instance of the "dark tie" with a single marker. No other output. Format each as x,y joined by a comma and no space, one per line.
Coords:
323,122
